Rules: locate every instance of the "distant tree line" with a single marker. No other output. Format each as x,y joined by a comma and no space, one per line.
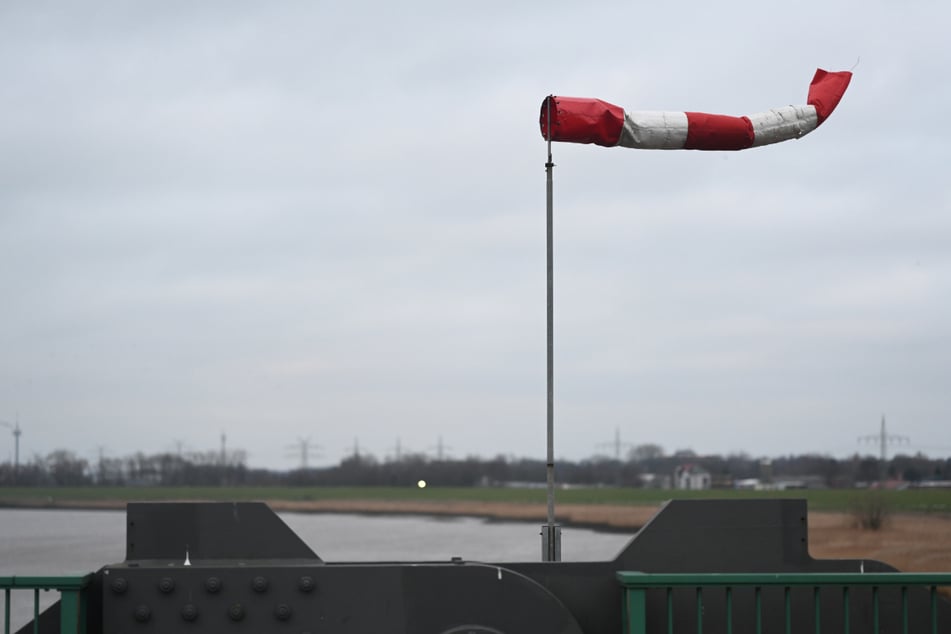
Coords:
644,465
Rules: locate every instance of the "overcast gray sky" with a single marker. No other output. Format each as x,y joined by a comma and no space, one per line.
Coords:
326,221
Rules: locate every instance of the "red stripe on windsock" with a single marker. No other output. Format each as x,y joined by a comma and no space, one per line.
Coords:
718,132
579,120
826,91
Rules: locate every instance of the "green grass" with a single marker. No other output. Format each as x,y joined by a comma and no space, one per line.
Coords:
911,500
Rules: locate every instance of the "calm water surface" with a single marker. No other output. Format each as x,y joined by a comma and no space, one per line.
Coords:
53,542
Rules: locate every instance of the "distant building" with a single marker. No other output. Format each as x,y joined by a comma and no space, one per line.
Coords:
691,477
748,484
654,481
932,484
802,482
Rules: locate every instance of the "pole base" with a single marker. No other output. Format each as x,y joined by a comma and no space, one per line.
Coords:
551,542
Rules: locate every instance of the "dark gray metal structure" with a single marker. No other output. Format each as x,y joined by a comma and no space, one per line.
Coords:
236,567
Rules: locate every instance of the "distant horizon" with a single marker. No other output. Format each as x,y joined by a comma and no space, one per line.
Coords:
320,462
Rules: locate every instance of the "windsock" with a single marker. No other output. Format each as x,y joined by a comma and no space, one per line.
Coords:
578,120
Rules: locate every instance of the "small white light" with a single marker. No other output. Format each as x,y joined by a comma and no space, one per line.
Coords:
421,484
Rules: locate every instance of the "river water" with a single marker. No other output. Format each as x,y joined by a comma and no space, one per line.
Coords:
54,542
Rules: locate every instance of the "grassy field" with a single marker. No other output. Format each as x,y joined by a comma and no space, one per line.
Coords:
907,501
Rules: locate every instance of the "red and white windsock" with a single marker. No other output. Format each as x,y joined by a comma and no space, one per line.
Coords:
578,120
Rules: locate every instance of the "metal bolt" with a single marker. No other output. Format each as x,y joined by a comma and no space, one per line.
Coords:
306,584
189,612
142,613
212,584
236,612
119,585
259,584
166,585
282,612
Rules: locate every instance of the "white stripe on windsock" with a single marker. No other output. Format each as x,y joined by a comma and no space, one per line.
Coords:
781,124
654,130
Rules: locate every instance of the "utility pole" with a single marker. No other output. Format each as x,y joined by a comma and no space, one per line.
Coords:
101,465
440,450
883,439
617,444
224,460
303,448
17,432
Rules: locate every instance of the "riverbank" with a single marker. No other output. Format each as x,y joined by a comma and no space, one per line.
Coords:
911,542
603,517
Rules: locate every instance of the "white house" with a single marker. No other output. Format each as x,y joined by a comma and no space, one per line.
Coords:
691,477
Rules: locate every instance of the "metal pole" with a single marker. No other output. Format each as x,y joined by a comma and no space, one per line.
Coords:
551,533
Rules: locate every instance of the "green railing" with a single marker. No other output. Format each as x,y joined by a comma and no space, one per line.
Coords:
842,586
72,593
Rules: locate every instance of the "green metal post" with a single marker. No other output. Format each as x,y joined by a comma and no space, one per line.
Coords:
6,611
729,610
36,611
904,609
69,612
788,610
875,609
845,610
636,608
934,610
759,610
699,610
817,606
670,611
